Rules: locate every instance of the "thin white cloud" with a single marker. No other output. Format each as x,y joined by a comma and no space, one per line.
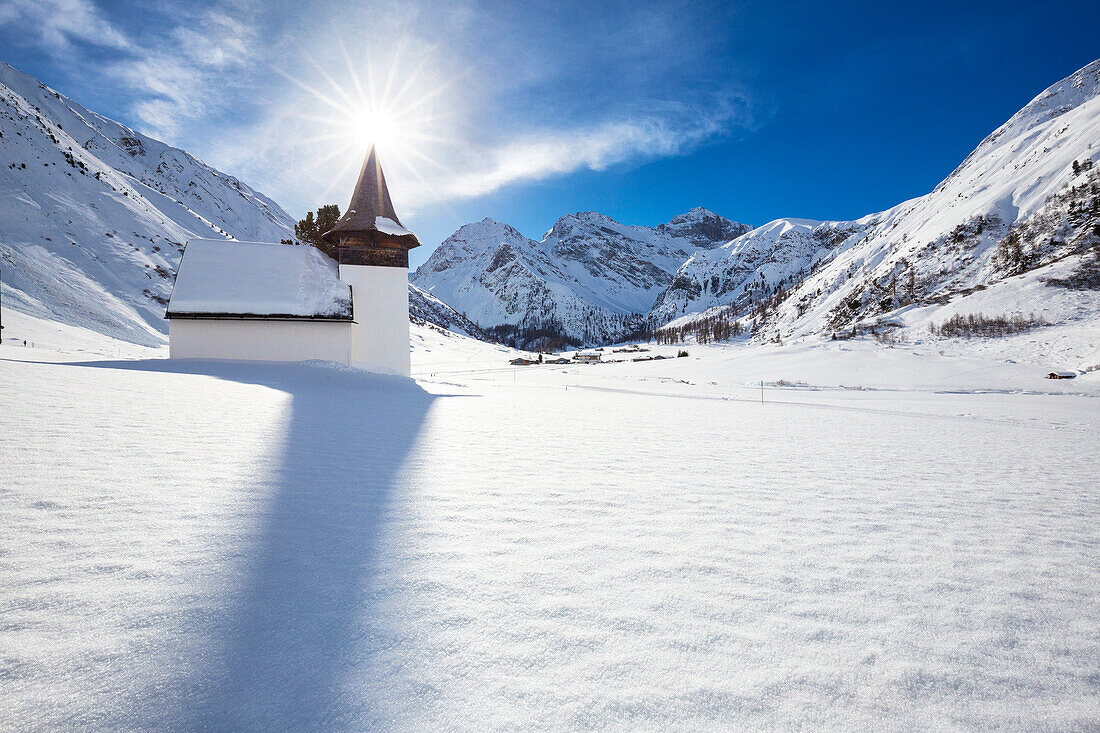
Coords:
506,101
56,24
465,165
174,78
192,72
499,96
538,154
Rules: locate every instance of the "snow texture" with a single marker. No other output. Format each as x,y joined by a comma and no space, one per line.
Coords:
818,535
218,276
903,541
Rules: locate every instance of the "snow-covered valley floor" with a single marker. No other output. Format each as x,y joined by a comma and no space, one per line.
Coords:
217,546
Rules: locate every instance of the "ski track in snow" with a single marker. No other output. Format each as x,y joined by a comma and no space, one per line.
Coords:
258,546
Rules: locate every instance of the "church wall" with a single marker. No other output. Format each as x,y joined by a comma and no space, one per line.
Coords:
260,340
380,336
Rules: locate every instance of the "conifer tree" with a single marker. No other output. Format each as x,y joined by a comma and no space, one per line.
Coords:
310,229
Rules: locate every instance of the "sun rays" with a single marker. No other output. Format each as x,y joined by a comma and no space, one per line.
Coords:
449,121
399,107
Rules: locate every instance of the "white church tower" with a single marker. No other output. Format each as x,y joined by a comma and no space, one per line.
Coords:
372,249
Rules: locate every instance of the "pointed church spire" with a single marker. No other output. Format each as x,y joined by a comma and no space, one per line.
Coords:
369,232
370,200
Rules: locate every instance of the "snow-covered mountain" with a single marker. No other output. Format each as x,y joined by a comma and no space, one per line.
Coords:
426,309
95,213
746,269
1026,198
590,279
95,216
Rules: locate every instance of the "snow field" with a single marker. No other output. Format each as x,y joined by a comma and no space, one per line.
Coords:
628,546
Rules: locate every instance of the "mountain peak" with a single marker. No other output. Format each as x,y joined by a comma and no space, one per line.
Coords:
696,211
486,227
703,228
1054,101
1081,85
584,217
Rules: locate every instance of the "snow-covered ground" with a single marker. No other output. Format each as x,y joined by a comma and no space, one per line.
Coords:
904,541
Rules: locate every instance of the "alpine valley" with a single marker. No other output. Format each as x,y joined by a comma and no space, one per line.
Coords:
97,215
1023,210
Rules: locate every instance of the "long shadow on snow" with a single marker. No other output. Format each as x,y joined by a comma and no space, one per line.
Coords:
302,623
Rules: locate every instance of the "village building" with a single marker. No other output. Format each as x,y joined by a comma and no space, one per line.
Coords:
279,302
587,357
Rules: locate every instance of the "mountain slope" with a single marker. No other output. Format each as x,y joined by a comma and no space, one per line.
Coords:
95,213
426,309
589,280
750,267
1019,185
1028,196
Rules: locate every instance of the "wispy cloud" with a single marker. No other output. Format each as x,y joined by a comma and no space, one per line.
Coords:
493,94
539,153
191,72
506,94
56,24
173,77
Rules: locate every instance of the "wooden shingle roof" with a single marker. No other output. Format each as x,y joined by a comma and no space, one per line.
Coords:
371,209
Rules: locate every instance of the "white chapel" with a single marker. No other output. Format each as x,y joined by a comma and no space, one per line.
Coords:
281,302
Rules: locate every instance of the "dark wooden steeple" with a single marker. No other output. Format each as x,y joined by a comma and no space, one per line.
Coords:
370,233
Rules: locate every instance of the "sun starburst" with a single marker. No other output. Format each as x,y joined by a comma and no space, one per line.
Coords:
398,108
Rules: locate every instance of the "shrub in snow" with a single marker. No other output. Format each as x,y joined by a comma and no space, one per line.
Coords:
979,325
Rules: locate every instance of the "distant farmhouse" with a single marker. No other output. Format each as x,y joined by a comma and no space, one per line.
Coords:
280,302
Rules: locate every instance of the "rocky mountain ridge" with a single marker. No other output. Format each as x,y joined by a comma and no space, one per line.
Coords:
590,279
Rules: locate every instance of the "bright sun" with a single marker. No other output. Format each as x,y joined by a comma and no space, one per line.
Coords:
397,110
377,128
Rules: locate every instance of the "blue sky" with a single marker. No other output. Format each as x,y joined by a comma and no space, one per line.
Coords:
526,111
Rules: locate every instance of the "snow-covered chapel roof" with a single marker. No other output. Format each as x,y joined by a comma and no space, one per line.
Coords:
222,278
